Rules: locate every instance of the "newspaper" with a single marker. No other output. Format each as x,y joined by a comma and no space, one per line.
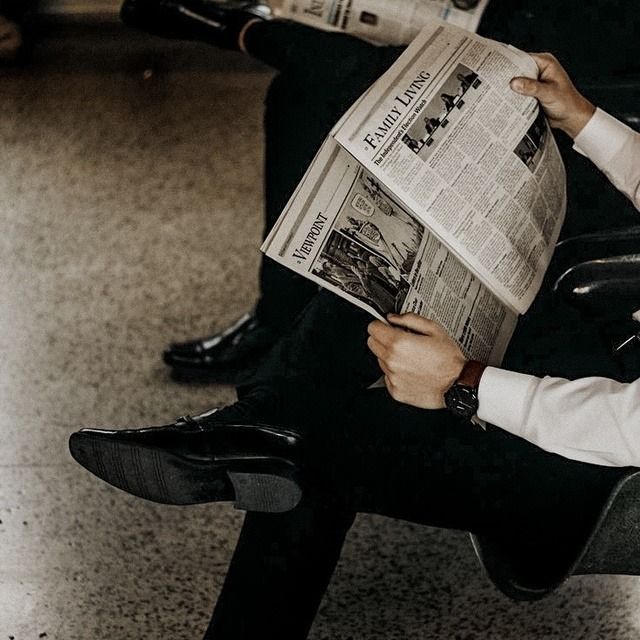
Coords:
379,21
440,192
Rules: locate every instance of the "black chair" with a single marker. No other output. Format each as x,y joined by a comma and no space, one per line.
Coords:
605,287
611,547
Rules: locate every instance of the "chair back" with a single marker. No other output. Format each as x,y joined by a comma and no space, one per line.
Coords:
612,547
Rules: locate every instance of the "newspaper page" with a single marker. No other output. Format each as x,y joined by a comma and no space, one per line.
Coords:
379,21
476,162
345,231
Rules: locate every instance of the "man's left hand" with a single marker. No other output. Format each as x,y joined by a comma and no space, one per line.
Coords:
419,359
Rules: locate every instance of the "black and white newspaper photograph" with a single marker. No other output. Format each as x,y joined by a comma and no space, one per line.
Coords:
459,90
371,217
350,266
372,247
531,148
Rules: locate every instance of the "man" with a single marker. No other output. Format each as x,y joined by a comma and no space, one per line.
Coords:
529,24
395,451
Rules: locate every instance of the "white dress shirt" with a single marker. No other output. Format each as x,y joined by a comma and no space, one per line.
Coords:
594,420
615,149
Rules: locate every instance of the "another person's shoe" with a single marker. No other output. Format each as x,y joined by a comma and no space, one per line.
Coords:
465,5
228,357
216,23
196,460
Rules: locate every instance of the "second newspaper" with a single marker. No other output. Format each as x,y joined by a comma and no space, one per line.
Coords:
440,192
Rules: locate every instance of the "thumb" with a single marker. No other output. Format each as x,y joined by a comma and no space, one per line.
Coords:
527,87
414,322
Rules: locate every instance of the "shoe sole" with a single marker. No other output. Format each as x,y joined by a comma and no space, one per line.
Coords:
268,485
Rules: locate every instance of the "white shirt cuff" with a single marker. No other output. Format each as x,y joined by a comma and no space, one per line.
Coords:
602,138
504,397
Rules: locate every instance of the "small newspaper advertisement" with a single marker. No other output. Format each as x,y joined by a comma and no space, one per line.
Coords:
440,192
380,21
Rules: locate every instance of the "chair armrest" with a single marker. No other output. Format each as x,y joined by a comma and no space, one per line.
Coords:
605,287
595,246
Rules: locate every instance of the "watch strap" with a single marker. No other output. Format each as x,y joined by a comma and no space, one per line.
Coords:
471,374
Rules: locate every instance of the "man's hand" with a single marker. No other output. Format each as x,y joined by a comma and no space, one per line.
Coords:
419,364
566,108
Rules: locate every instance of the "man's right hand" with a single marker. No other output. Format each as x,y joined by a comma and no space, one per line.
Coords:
566,108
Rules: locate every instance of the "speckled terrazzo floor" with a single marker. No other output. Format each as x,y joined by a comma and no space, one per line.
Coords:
130,214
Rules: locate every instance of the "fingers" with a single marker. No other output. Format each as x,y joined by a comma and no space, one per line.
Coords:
545,61
550,73
416,323
381,353
377,348
385,369
388,334
382,332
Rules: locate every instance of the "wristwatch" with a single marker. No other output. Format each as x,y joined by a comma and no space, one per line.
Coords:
462,397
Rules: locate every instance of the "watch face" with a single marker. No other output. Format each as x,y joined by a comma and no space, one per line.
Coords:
462,400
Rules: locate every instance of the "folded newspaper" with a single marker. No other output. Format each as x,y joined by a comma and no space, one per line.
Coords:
378,21
440,192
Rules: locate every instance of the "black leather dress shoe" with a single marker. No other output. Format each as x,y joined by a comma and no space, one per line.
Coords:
465,4
195,460
228,357
217,23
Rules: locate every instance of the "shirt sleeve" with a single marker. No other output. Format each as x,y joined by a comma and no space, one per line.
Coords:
595,420
615,149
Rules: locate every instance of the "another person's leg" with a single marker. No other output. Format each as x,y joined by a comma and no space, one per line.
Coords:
320,75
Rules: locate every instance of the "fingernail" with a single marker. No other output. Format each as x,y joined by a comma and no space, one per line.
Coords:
517,85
